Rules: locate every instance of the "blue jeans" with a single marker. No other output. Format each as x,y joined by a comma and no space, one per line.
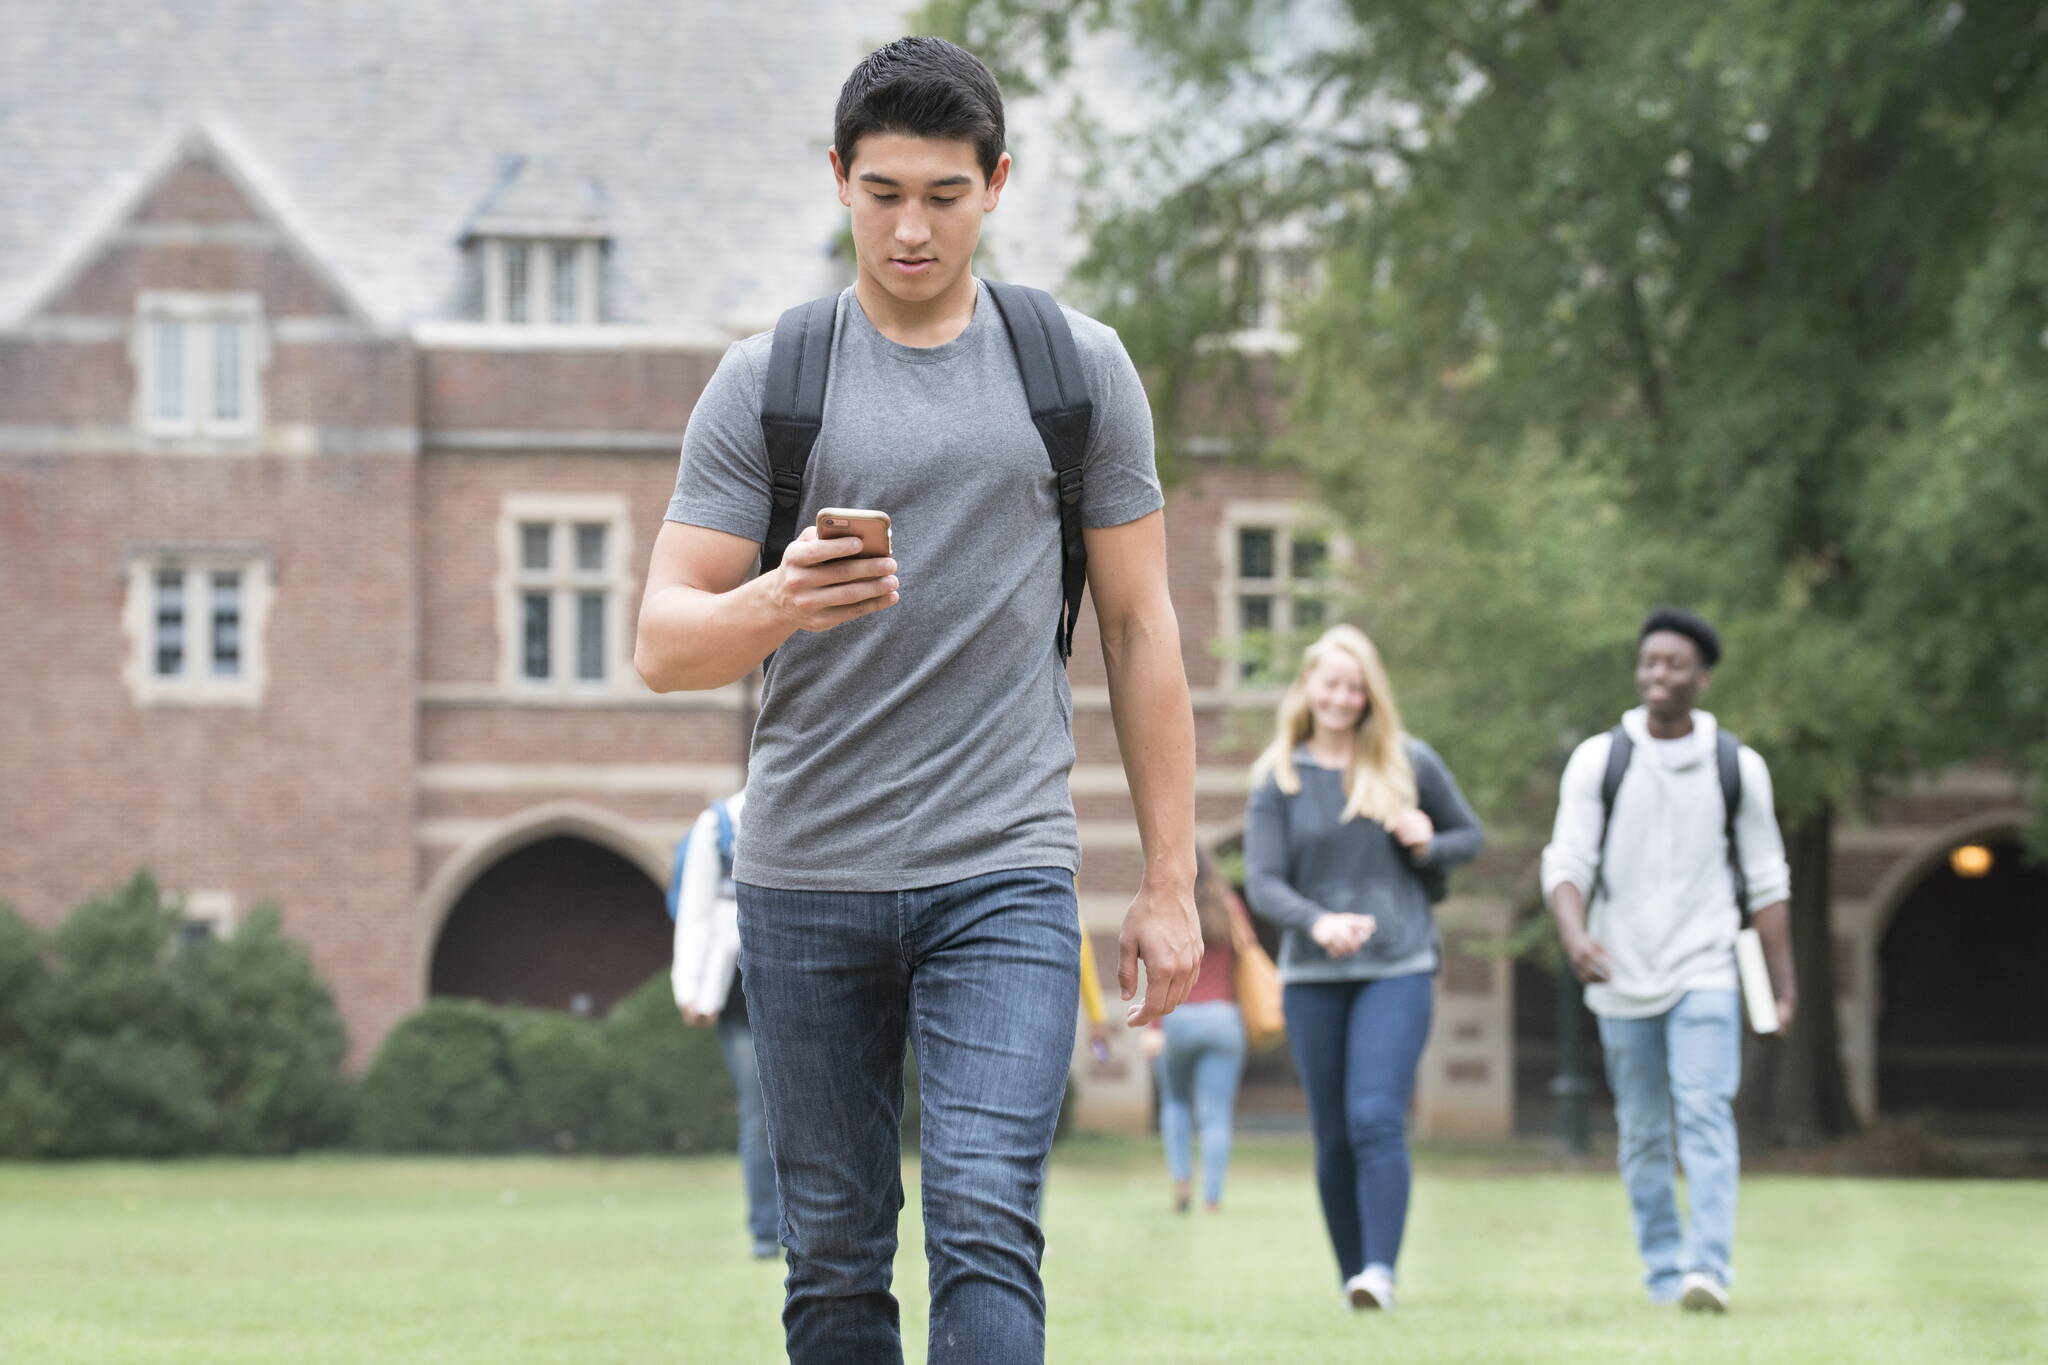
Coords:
1686,1061
980,976
764,1213
1356,1045
1198,1075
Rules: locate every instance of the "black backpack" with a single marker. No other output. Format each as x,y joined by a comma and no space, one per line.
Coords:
1728,758
793,411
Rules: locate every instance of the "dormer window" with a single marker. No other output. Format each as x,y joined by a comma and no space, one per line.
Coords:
538,281
539,237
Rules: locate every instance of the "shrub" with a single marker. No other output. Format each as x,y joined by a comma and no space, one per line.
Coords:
670,1091
132,1093
119,1039
31,1118
563,1079
272,1041
442,1082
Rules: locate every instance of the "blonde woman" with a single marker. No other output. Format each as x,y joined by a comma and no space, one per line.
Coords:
1351,825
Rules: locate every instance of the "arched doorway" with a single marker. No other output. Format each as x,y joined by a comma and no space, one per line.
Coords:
1962,1028
558,923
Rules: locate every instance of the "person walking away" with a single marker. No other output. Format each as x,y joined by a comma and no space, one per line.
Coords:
1351,827
1665,833
706,980
906,868
1198,1052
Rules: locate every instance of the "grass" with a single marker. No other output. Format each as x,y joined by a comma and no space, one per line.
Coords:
527,1260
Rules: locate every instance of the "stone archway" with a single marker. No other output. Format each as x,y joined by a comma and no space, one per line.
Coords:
561,910
1962,1019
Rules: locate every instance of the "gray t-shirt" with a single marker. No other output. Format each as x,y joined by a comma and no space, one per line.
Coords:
931,741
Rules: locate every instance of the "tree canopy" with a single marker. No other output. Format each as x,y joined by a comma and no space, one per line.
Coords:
1742,306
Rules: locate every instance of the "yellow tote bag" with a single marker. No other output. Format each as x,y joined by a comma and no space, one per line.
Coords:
1256,982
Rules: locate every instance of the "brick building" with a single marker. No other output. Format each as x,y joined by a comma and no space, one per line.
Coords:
343,362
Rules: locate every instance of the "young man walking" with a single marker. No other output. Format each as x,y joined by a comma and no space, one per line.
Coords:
906,868
704,975
1662,860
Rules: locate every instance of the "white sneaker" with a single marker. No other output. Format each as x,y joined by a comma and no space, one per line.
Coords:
1371,1287
1702,1293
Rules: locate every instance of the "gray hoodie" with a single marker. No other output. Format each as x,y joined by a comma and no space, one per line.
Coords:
1301,863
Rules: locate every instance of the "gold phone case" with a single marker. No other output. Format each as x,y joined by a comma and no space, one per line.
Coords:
876,538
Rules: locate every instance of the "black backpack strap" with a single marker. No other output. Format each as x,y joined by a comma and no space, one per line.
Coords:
792,412
1063,412
1620,749
1728,757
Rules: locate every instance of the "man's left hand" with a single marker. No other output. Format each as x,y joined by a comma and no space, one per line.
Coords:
1162,932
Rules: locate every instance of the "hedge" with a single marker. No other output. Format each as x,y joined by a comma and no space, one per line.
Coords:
118,1037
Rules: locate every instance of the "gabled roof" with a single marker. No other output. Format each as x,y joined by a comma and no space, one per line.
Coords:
216,148
379,130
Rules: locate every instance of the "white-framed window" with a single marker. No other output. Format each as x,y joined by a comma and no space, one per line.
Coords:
541,281
564,590
196,622
198,363
1274,596
208,917
1272,284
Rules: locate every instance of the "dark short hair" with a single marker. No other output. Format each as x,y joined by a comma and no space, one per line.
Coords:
1682,622
925,87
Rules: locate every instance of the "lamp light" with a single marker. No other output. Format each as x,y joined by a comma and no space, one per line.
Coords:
1970,861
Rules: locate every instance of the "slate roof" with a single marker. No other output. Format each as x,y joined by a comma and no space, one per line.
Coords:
692,134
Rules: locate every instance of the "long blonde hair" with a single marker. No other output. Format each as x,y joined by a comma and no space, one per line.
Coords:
1380,781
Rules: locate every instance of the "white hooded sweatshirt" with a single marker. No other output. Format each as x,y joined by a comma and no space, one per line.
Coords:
707,937
1666,910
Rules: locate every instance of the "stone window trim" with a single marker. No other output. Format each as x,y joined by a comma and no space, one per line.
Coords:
208,914
565,584
197,683
542,281
199,426
1289,522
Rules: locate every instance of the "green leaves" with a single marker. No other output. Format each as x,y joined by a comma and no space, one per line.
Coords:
1740,306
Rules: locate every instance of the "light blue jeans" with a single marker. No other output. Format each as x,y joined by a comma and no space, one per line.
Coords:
1679,1069
1198,1075
978,976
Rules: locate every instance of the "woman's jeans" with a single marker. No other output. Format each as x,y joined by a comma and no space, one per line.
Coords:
980,975
764,1214
1356,1045
1685,1062
1198,1075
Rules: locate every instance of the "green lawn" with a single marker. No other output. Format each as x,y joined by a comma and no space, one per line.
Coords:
504,1261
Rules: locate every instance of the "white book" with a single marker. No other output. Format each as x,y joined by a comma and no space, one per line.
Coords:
1756,982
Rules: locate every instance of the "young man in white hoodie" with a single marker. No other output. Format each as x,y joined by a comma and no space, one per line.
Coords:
1656,947
706,979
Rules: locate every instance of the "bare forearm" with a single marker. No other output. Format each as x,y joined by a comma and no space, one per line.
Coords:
691,640
1155,729
1568,908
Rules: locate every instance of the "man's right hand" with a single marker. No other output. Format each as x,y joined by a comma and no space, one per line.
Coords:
697,1018
818,587
1589,960
1341,935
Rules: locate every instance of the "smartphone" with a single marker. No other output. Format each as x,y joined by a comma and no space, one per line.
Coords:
871,527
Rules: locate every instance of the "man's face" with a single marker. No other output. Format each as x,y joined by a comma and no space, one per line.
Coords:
1669,673
917,207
